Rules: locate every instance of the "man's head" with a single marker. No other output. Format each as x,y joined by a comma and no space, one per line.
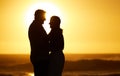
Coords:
55,22
40,15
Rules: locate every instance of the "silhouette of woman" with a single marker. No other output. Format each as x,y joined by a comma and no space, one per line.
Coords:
56,40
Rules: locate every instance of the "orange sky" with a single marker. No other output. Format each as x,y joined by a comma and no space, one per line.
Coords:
90,26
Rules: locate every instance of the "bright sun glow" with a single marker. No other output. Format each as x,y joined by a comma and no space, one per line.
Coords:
31,74
50,9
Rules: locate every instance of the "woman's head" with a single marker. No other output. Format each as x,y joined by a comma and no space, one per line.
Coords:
55,22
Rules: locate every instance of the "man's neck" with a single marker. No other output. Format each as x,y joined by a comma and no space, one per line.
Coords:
39,21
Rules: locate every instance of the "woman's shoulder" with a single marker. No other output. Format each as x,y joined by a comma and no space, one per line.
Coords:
58,30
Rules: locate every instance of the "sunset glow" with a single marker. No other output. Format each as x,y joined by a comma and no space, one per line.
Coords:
88,26
31,74
50,9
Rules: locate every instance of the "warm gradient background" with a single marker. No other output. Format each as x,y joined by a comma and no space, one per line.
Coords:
90,26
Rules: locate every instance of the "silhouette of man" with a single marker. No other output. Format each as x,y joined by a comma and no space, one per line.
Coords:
39,44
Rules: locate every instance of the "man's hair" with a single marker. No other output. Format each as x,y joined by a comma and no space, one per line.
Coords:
39,13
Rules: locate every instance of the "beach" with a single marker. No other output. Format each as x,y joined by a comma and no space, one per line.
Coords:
81,65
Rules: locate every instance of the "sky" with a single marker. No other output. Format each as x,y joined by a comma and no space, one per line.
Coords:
89,26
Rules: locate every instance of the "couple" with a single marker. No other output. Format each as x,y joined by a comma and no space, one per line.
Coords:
46,56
